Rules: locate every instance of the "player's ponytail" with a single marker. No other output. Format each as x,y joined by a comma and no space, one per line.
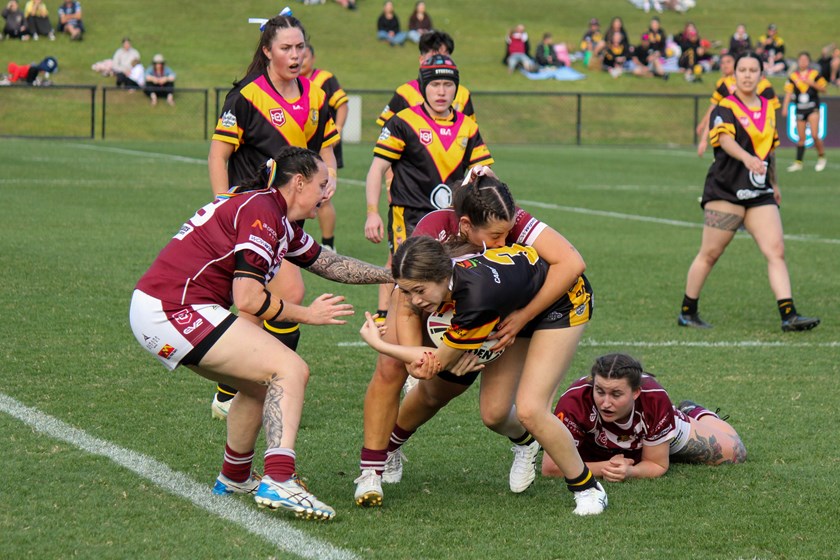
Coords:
279,170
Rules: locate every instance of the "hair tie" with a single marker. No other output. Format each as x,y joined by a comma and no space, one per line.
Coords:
287,11
271,170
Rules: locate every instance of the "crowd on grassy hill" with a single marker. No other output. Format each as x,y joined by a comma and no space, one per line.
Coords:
656,53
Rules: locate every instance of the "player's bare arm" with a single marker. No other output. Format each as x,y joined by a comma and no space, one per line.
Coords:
347,270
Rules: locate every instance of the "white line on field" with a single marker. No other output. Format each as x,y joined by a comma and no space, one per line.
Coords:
637,218
546,205
684,343
274,530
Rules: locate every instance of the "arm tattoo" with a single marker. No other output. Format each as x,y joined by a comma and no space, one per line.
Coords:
272,415
348,270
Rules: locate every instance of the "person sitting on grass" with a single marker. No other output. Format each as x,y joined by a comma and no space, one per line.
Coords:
625,425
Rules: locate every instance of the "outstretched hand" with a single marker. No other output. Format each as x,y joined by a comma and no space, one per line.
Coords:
326,308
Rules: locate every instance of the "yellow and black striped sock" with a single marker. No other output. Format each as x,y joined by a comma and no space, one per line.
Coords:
524,439
224,392
786,308
585,481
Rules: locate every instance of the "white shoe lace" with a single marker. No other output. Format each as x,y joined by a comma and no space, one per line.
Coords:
394,466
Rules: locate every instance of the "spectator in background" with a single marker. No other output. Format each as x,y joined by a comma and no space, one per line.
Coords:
773,48
38,19
616,55
30,72
123,60
388,26
617,26
657,36
546,54
829,64
419,22
647,62
136,78
518,50
349,4
740,41
15,27
70,20
592,42
160,80
694,59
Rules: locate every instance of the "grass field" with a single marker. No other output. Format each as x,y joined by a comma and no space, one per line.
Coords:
107,455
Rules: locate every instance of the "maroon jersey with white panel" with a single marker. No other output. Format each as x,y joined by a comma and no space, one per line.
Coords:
242,234
442,224
653,421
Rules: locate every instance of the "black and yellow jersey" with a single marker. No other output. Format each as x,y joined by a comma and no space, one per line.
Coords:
754,130
336,96
258,121
806,96
408,95
488,287
428,153
613,53
726,87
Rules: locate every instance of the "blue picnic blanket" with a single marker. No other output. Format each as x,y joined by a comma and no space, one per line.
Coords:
563,73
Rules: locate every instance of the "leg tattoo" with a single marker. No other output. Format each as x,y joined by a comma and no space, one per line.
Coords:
723,220
272,415
701,450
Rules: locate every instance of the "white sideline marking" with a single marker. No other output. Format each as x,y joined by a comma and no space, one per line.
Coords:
183,159
685,343
274,530
546,205
678,223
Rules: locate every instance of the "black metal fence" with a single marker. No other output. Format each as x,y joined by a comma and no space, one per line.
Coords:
505,117
60,112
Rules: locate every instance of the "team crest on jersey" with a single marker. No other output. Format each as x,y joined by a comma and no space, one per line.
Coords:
228,119
183,317
278,117
313,116
745,122
426,139
462,141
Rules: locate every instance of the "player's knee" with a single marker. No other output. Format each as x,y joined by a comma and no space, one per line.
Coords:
494,419
529,415
389,372
738,452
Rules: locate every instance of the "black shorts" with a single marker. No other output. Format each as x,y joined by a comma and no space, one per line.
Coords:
804,114
573,309
401,223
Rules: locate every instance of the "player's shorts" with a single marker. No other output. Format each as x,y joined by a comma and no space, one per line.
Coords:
575,308
401,223
682,427
803,114
466,379
177,334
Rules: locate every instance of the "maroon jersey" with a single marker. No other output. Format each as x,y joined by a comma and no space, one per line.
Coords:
650,423
245,234
442,224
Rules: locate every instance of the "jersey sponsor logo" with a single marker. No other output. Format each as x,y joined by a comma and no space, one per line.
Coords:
297,107
758,180
718,121
166,351
384,135
278,116
183,232
426,138
580,309
264,227
313,116
228,120
194,326
441,196
183,317
260,242
445,132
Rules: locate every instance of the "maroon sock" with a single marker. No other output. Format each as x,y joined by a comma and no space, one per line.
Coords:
373,459
699,412
398,438
280,463
237,466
